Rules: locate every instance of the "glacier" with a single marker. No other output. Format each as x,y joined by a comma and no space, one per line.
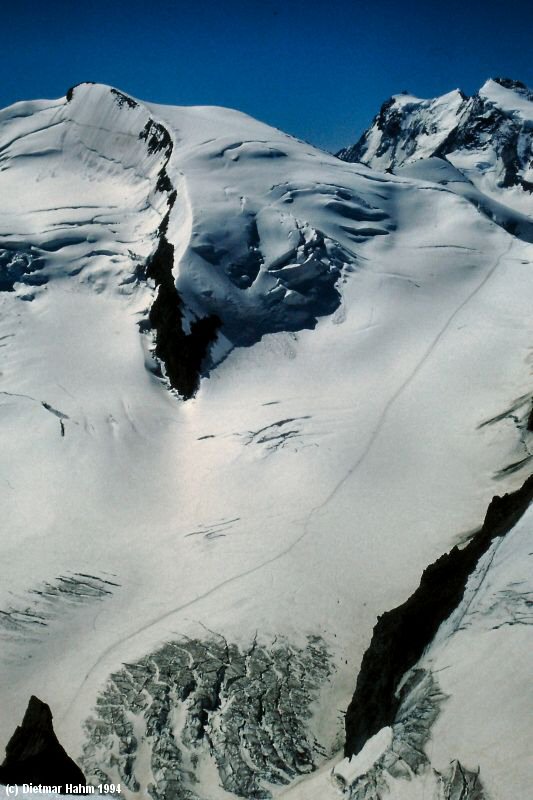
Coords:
250,390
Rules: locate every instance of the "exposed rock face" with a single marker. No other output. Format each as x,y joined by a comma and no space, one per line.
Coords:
182,354
34,755
396,131
490,129
401,635
530,421
404,757
406,128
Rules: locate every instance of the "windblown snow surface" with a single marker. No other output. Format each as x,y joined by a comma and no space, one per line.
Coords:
191,584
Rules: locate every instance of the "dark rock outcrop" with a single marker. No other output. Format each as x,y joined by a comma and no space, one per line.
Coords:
34,755
182,353
530,421
401,635
70,92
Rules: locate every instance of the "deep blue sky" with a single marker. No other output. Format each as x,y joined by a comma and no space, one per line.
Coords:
318,69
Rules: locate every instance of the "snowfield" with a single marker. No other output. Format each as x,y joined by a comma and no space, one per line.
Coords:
191,584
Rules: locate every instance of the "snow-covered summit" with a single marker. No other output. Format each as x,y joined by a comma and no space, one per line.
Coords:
113,174
407,128
511,96
487,137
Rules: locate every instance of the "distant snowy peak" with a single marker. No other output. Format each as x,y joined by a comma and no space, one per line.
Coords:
407,128
486,136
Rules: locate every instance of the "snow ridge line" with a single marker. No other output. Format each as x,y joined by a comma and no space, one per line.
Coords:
181,353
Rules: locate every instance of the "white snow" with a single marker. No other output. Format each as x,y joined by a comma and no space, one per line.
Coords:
419,127
482,657
387,464
350,769
434,120
509,100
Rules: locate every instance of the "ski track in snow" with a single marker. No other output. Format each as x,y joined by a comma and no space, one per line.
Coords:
317,509
410,378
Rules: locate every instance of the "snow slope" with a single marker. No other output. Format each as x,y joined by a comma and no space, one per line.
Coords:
463,726
233,550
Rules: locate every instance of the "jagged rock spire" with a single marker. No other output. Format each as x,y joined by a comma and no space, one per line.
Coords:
34,754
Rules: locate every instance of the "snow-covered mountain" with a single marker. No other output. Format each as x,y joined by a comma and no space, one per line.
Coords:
485,138
250,391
